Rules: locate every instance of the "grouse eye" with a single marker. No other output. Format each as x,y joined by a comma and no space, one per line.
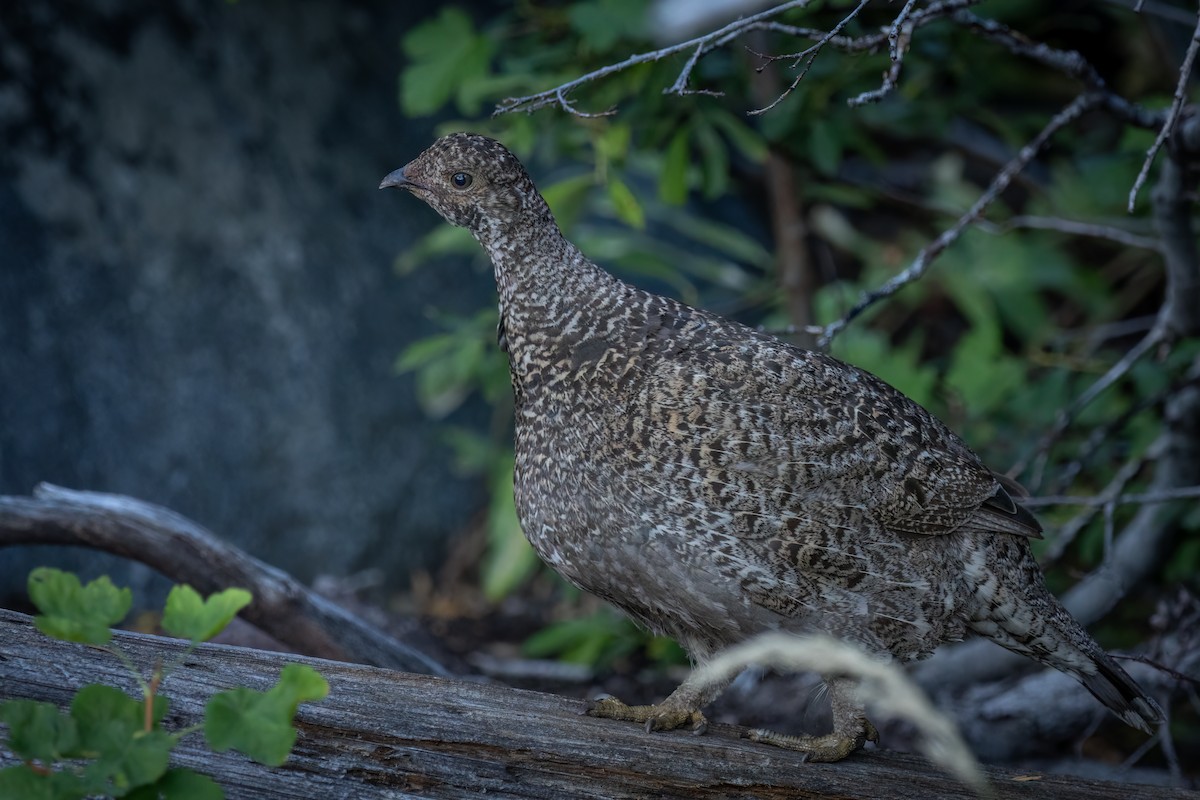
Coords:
461,180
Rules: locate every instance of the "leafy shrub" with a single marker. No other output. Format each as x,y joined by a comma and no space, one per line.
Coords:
112,745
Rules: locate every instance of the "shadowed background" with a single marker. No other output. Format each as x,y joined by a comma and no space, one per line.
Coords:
197,301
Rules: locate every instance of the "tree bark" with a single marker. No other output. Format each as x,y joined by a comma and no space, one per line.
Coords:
390,734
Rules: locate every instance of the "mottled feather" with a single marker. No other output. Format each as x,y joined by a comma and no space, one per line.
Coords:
715,482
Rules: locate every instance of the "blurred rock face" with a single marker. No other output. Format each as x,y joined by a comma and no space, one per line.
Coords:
197,305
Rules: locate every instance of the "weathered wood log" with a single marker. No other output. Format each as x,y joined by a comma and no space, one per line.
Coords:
389,734
186,552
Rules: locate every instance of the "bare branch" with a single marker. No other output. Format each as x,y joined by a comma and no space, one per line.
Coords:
1075,228
1185,72
557,96
899,36
896,36
1174,204
1148,538
679,87
1155,336
920,264
187,553
1068,532
1180,312
1142,498
811,55
1068,62
1156,9
1174,673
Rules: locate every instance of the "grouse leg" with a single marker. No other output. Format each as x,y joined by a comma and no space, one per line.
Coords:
851,728
681,708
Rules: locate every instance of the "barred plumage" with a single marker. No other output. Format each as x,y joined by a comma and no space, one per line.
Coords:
714,482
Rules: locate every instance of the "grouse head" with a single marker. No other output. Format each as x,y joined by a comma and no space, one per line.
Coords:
474,182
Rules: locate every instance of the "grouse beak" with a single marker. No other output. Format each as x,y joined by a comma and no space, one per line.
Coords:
396,179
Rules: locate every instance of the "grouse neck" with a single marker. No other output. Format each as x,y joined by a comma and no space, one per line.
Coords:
543,280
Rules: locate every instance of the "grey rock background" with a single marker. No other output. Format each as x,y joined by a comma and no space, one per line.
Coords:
197,305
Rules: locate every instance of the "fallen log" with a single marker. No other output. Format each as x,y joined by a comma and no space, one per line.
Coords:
390,734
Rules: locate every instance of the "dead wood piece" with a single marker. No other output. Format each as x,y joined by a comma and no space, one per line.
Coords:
186,552
389,734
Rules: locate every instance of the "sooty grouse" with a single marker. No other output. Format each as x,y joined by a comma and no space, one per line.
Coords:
714,482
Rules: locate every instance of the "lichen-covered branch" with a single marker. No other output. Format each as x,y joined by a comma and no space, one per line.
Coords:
700,45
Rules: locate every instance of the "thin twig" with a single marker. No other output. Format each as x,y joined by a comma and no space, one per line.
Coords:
921,263
866,43
899,36
1167,743
557,95
811,55
1106,498
1066,416
846,44
1182,677
1185,72
1143,498
1156,9
1142,749
1102,434
680,85
1068,62
1073,227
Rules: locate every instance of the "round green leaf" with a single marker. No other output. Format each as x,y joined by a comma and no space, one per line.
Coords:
189,616
77,613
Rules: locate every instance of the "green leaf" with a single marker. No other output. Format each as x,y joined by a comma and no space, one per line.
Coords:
628,209
259,724
179,784
127,763
425,351
568,198
612,145
672,183
824,147
715,160
39,731
75,613
748,141
446,53
596,640
105,712
112,731
474,453
189,616
443,384
22,783
726,239
602,23
510,559
444,240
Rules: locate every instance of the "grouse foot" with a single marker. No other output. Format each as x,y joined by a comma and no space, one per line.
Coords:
830,747
664,716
